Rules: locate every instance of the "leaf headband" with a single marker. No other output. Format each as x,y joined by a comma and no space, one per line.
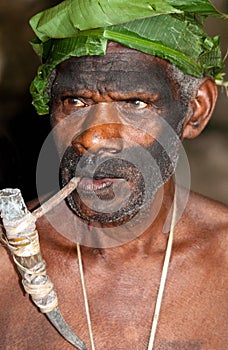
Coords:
169,29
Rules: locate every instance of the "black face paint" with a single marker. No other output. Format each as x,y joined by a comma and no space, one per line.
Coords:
116,79
109,169
91,167
117,73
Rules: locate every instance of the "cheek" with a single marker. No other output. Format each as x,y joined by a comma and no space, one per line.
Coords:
138,136
64,129
140,127
63,133
176,116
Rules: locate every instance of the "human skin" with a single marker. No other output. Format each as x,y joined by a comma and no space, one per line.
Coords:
81,103
122,282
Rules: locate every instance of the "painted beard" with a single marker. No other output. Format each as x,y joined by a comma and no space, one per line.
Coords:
126,183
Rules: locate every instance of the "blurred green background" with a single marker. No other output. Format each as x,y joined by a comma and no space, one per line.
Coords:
22,132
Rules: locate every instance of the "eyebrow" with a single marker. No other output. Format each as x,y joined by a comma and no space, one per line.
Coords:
116,96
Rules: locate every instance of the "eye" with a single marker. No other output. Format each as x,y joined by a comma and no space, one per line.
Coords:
73,102
138,104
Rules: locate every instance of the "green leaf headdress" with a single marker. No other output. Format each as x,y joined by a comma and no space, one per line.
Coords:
169,29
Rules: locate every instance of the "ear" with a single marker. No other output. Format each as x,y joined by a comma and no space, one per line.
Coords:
201,109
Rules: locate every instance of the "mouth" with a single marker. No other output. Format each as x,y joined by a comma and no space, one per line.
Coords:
102,187
109,191
88,184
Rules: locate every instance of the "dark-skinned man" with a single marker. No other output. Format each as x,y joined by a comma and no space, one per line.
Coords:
122,93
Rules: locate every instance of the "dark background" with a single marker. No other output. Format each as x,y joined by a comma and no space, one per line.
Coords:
22,132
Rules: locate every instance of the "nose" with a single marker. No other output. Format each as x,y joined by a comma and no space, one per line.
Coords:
101,132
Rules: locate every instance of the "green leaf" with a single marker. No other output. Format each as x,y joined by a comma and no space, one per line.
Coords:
199,7
61,51
70,16
169,29
81,46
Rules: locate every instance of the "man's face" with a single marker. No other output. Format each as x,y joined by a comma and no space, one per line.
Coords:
110,111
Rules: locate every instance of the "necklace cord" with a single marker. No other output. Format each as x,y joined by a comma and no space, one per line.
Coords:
85,297
161,286
163,277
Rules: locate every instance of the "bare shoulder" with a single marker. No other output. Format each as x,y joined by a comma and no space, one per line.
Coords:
207,212
207,222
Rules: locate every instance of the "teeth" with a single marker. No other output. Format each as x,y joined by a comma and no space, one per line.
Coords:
90,185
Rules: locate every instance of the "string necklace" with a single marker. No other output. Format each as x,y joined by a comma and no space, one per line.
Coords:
160,290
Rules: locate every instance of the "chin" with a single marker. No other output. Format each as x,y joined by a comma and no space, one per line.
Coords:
105,219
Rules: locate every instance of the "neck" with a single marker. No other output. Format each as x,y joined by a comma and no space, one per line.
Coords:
145,238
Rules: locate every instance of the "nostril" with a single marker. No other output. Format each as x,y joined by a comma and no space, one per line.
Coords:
107,151
102,148
79,148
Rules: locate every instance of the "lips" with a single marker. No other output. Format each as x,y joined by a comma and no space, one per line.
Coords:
88,184
109,190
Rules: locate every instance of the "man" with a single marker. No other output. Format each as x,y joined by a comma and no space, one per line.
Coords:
118,114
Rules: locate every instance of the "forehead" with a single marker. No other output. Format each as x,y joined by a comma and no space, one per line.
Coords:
120,70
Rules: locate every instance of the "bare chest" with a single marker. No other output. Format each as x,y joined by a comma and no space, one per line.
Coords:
121,303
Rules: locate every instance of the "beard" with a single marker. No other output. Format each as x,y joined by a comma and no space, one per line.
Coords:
113,190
